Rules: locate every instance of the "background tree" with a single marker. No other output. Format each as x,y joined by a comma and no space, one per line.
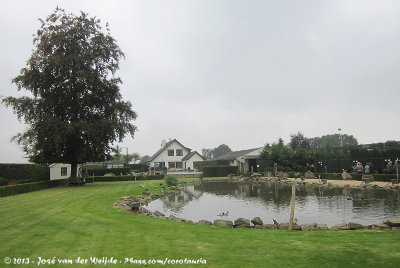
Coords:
333,141
144,159
299,141
218,151
279,153
135,157
117,153
76,111
206,153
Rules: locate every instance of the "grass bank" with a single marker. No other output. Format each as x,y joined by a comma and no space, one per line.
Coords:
72,222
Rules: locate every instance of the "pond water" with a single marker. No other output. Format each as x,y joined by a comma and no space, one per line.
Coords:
272,200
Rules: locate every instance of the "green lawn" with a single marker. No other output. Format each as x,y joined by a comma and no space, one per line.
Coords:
71,222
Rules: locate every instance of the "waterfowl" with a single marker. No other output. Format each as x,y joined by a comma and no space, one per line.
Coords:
224,214
276,223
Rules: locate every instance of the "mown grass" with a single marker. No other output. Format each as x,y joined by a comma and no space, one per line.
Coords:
71,222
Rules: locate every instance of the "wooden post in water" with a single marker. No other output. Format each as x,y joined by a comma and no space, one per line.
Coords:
292,205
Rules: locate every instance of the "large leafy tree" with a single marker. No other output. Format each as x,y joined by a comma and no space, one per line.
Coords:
299,141
76,110
217,151
333,141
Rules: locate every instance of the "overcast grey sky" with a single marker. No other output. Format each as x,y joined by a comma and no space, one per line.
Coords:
242,73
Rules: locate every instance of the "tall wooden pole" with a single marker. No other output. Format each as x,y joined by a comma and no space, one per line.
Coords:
292,206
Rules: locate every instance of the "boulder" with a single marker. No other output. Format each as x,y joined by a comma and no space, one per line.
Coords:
204,222
342,226
174,218
223,223
393,222
285,226
257,221
396,229
380,226
346,176
355,226
321,226
308,227
367,178
268,226
158,214
255,175
242,222
309,175
133,198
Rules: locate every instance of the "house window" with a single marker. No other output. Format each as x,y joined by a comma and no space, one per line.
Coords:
179,165
179,152
171,164
170,152
63,171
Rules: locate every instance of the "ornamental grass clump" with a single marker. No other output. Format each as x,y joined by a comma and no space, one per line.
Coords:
170,180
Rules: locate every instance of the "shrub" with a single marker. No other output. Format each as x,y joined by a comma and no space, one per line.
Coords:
3,181
170,180
109,175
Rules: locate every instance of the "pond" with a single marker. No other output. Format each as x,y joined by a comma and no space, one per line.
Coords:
314,204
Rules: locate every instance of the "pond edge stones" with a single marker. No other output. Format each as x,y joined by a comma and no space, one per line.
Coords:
131,203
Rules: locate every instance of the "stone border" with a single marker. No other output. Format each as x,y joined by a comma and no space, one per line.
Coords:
135,205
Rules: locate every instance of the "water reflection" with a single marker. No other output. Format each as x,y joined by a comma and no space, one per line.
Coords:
272,200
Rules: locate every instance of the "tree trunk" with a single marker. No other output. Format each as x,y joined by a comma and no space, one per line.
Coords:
74,167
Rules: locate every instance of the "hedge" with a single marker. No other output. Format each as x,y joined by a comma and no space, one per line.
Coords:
138,167
29,187
209,163
219,171
358,177
103,171
124,178
24,172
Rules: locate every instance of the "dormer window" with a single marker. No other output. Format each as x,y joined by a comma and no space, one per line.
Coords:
170,152
179,152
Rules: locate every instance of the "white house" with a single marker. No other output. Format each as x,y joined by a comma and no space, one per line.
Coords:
60,171
174,156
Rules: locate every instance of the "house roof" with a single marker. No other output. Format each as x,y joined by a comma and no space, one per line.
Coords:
189,155
165,146
253,154
234,155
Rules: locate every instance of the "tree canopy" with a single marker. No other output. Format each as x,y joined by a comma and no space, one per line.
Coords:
76,110
333,141
218,151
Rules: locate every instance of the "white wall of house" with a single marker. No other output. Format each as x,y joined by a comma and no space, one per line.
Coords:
194,158
164,157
